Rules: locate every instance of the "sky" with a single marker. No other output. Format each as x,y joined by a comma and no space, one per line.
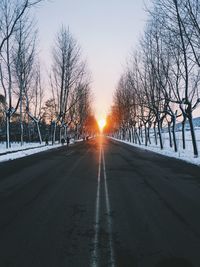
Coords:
107,31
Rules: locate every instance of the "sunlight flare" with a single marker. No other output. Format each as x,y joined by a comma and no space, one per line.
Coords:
102,124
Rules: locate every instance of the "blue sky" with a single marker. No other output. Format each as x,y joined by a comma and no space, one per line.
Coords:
107,31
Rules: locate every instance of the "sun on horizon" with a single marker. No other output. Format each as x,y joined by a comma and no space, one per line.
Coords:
101,124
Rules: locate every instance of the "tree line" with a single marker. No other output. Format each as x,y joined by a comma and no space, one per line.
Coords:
25,115
160,84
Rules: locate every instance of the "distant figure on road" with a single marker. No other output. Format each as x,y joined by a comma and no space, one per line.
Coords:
62,141
68,139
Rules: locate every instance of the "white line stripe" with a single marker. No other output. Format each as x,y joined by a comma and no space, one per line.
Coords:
94,261
108,210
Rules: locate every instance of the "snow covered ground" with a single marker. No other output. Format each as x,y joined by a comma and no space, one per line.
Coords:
18,151
186,155
16,146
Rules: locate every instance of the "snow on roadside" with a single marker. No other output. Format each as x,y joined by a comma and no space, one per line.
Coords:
24,153
16,151
17,146
182,154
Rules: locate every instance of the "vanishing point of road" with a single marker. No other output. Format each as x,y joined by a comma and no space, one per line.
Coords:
99,203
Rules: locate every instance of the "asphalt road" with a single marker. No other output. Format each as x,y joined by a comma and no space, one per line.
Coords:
99,203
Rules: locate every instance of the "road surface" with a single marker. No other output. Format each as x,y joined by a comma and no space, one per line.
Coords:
99,203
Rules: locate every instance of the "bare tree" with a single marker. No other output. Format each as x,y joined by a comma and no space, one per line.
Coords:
81,109
15,11
180,19
68,72
11,12
24,60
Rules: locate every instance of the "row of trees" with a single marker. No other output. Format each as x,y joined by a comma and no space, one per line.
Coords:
22,92
161,82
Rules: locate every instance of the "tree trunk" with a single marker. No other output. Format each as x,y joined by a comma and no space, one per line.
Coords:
183,131
141,134
39,133
145,130
129,131
137,137
148,134
160,135
155,133
29,129
54,134
60,134
8,130
21,124
194,142
65,132
123,134
133,135
170,134
174,133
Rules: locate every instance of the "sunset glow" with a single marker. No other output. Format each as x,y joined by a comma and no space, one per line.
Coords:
102,124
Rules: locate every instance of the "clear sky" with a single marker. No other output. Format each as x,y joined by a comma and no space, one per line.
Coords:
107,31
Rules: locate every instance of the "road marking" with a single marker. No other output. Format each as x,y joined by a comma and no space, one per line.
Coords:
109,218
95,253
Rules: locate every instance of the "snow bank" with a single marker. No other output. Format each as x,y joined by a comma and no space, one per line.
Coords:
18,151
186,155
16,146
27,152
